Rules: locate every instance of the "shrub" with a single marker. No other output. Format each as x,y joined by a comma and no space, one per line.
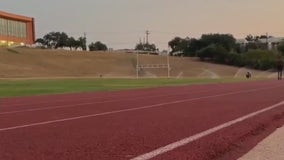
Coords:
259,59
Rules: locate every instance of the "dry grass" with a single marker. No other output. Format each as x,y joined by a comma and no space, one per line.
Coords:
38,63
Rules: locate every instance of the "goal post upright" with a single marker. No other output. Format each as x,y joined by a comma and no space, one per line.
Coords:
137,65
168,63
152,66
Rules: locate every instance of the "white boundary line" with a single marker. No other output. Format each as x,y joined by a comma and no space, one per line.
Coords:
109,101
80,98
45,101
127,110
89,103
197,136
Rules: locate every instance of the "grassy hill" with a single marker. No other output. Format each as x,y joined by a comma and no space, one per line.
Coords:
38,63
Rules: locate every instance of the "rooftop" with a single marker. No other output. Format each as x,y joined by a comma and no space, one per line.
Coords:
15,16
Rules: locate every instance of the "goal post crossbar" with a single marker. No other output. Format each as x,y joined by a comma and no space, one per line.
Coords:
152,66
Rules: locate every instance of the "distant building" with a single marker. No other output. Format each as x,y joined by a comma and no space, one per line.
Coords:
16,29
272,42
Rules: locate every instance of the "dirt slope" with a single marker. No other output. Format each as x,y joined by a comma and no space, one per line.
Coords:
36,63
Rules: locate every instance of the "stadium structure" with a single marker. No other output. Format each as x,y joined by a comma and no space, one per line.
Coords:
16,29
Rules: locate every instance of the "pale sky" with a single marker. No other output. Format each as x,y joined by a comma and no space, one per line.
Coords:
121,23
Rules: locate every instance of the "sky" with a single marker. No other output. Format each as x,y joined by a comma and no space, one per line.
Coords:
122,24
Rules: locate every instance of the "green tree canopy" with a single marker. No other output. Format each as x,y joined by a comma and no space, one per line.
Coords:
179,44
225,40
82,42
145,47
60,40
98,46
281,47
190,46
54,40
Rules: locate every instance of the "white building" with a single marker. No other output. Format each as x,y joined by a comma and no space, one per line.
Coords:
272,41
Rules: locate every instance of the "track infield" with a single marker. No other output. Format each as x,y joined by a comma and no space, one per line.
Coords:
213,121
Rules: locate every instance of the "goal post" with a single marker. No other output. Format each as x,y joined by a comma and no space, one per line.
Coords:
139,66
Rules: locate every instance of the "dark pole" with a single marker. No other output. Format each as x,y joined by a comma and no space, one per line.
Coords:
147,36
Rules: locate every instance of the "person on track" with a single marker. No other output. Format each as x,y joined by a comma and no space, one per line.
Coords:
279,65
248,75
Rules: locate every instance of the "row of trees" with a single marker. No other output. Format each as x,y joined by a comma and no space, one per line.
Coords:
219,48
222,48
61,40
190,46
57,40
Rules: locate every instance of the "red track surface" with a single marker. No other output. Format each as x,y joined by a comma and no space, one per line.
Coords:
126,124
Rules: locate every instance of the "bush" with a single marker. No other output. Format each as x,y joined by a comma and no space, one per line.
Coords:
281,47
235,59
214,52
206,52
259,59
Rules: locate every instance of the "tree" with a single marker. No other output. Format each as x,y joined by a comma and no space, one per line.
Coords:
175,44
145,47
249,38
259,59
213,52
62,40
82,43
225,40
281,47
72,43
98,46
190,46
41,41
193,45
180,45
256,42
54,40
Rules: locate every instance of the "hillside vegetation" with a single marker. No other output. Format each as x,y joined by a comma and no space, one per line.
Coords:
44,63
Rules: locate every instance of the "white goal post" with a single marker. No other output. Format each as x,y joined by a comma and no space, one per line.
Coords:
152,66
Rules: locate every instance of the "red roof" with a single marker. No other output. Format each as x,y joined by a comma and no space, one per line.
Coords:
15,17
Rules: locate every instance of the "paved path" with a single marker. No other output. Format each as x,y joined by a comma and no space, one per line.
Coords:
270,148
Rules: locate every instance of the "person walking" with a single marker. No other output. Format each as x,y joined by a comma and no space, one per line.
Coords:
279,67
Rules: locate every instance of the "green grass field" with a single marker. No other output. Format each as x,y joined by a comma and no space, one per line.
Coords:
11,88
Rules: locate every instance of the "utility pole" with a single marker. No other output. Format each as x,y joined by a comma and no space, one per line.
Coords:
147,36
85,40
85,35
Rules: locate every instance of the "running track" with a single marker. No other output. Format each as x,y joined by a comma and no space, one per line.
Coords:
216,121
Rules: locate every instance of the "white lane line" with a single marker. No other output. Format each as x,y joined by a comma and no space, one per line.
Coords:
197,136
79,98
88,116
90,103
124,110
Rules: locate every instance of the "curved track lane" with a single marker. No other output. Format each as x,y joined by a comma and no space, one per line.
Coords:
127,124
